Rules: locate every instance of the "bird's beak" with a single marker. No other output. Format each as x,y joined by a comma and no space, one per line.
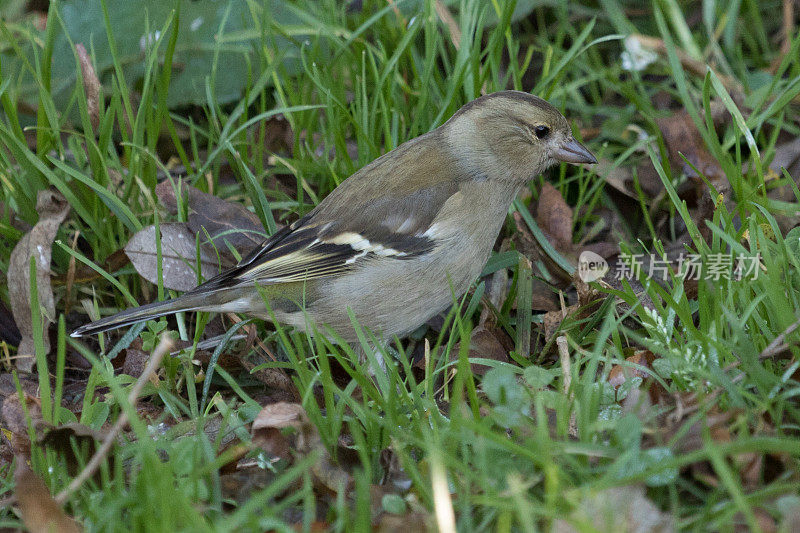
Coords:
574,152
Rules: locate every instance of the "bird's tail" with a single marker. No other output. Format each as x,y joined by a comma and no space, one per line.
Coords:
187,302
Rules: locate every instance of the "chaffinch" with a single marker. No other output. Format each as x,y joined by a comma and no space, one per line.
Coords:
396,240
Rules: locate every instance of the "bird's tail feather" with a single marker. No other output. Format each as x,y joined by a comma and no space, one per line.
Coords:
187,302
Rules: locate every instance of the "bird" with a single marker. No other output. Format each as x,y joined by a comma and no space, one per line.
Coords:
396,241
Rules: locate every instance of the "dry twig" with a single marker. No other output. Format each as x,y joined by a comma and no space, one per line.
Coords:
99,456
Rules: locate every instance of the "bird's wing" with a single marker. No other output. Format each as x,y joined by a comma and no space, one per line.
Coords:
316,246
383,210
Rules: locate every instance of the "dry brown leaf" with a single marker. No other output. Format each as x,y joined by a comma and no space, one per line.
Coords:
496,292
528,246
240,485
787,156
91,86
37,243
625,509
485,344
268,432
791,519
621,373
765,521
682,137
554,217
15,421
58,437
278,134
135,359
551,320
270,423
40,512
330,475
178,254
8,385
225,222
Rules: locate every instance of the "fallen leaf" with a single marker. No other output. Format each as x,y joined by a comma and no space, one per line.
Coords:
274,378
57,436
15,421
551,320
135,359
554,217
271,422
269,432
227,223
765,522
67,438
790,521
621,373
330,475
527,245
587,294
485,344
496,292
240,485
40,512
648,178
91,86
691,439
178,254
37,243
787,156
681,137
278,134
616,509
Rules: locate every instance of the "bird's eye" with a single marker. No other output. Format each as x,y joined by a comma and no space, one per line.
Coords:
541,131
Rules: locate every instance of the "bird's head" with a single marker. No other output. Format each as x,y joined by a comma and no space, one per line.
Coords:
514,131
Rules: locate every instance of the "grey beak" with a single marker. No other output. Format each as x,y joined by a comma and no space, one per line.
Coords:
574,152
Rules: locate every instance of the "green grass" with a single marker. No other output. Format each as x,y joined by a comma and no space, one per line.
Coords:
518,451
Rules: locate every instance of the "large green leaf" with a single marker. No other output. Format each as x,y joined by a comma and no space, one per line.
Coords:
135,24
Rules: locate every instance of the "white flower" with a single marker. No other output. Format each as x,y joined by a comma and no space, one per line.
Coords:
635,56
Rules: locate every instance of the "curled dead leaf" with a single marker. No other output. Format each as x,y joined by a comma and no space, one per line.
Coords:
91,86
37,243
178,254
270,423
554,217
226,223
485,344
269,432
682,138
40,512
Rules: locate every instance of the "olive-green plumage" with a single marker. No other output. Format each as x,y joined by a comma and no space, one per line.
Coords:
397,239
